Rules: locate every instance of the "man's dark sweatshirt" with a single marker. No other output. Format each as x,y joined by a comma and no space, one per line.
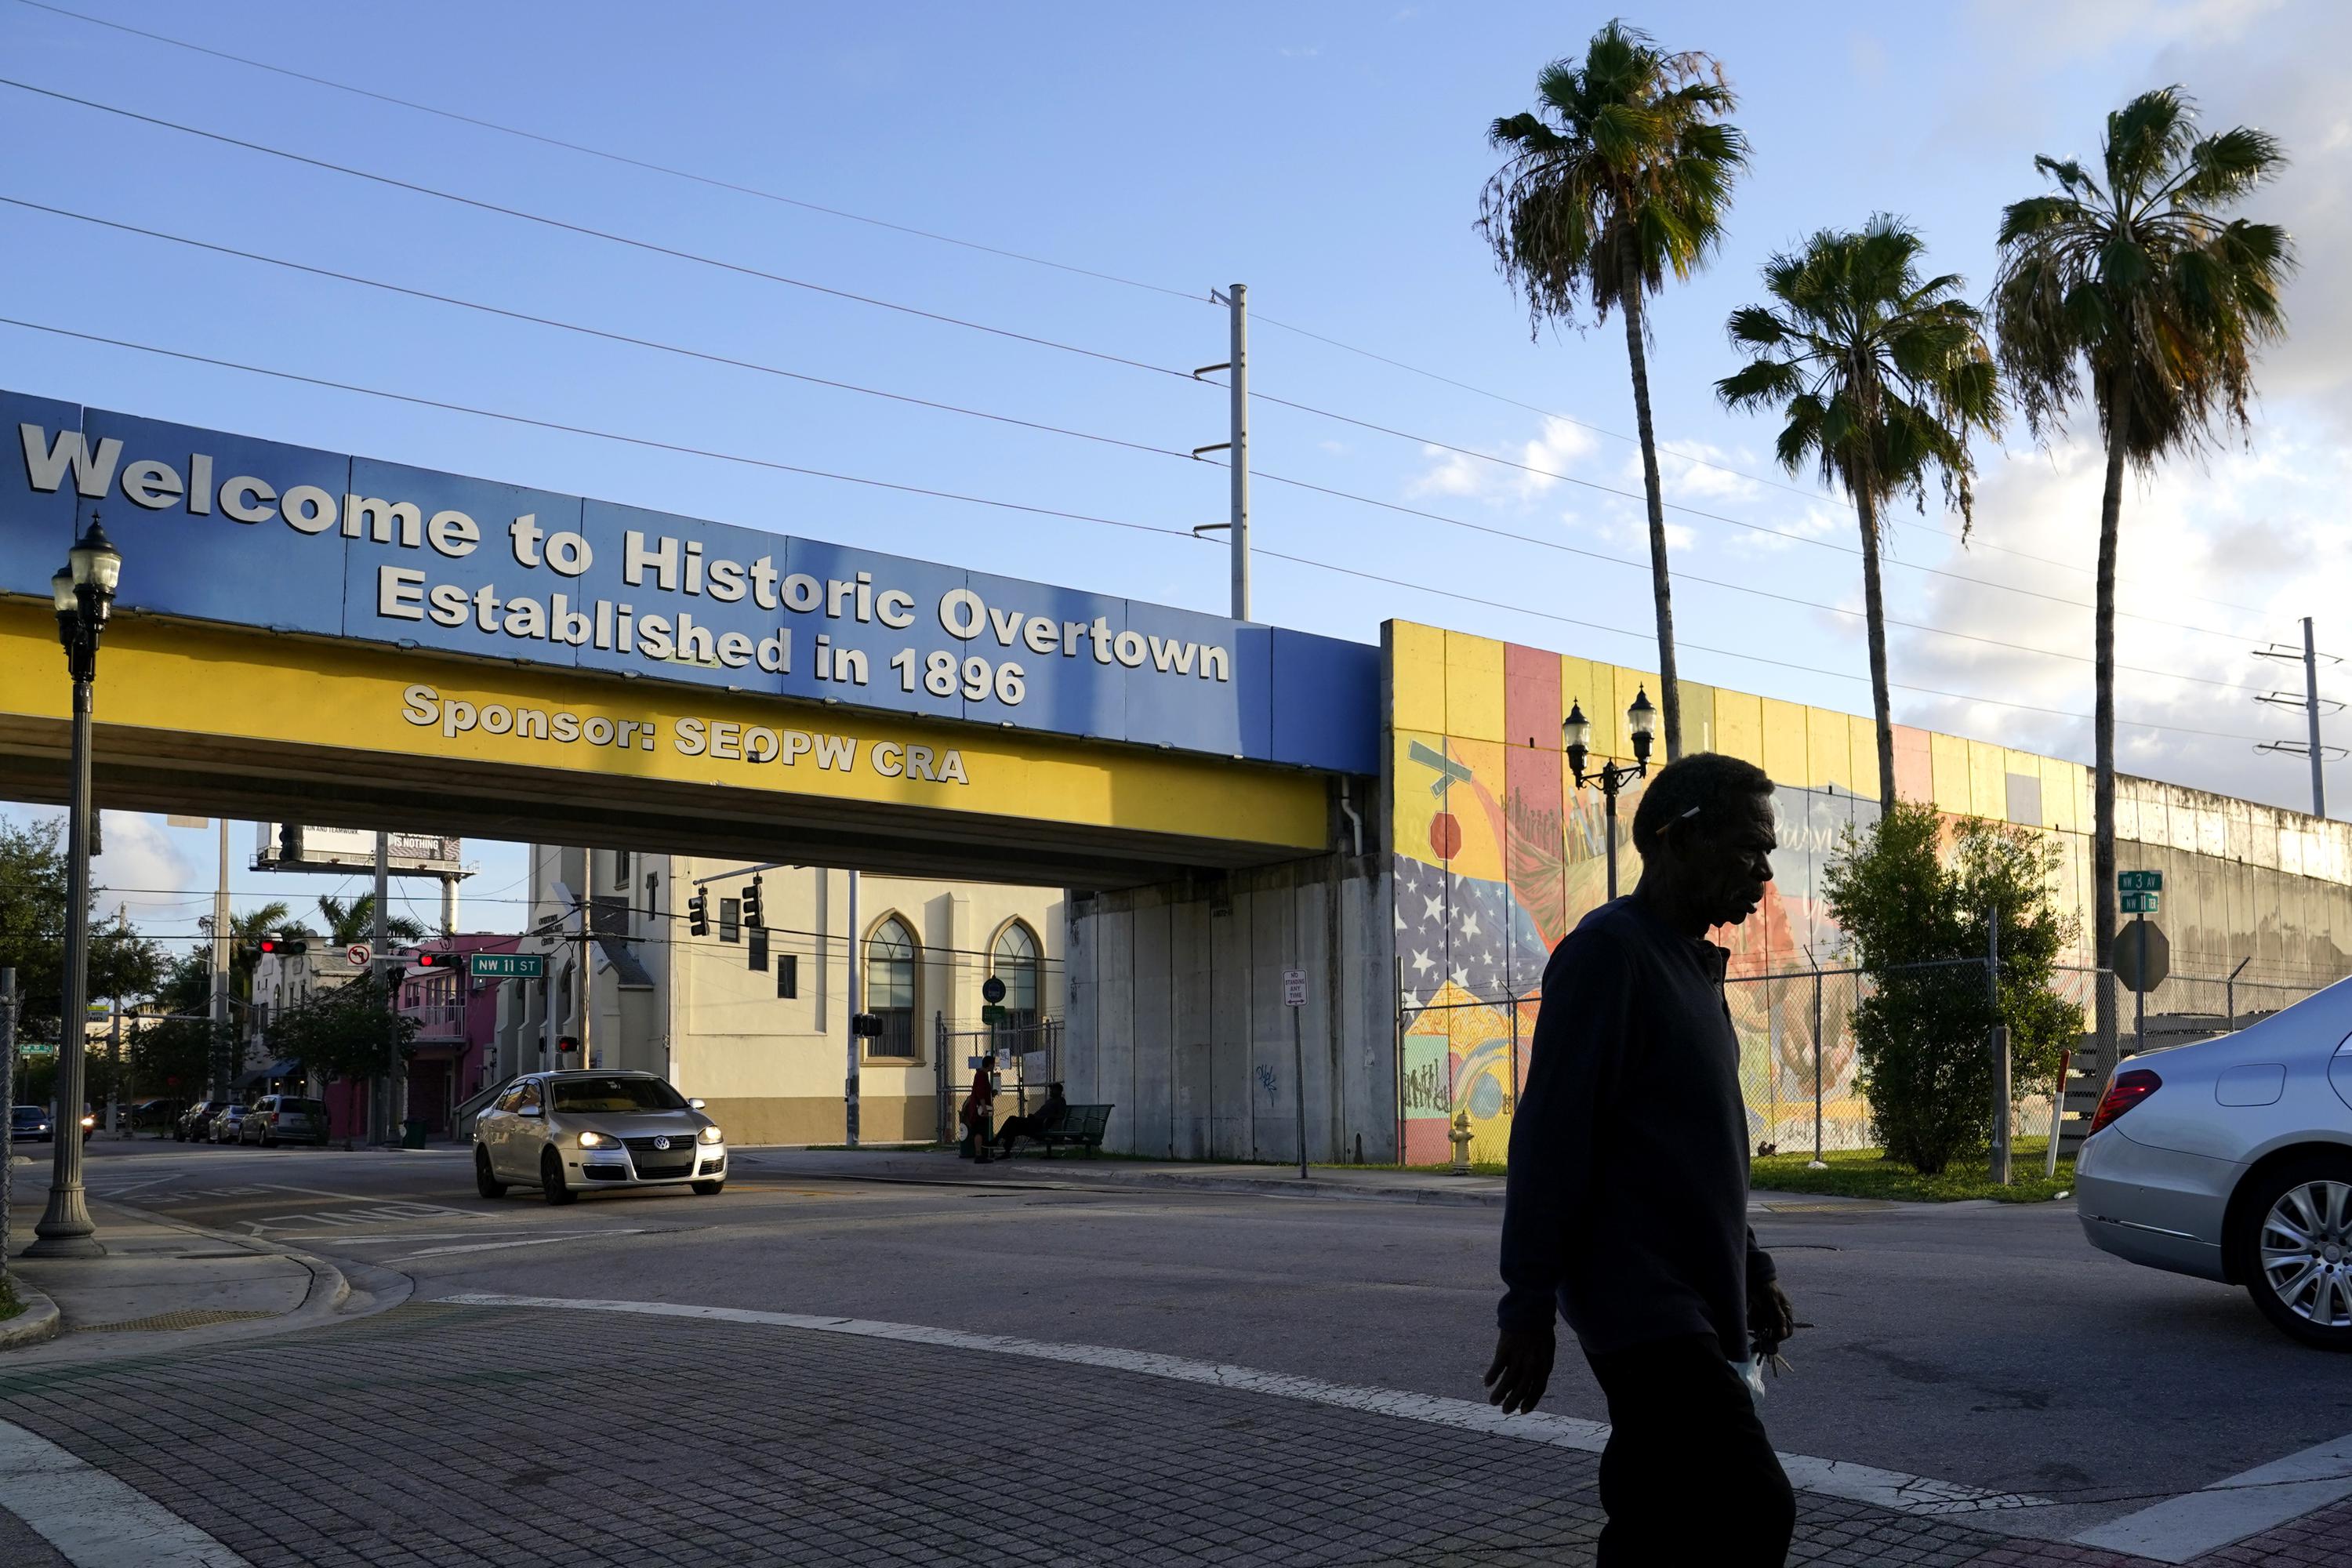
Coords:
1627,1199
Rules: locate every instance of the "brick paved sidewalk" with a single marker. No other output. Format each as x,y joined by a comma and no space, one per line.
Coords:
439,1434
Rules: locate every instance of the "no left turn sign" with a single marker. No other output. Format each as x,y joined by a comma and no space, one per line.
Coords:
357,954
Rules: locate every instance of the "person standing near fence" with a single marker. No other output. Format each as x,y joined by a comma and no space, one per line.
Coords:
1626,1205
979,1109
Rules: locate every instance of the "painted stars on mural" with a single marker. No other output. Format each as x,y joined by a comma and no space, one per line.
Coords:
1468,933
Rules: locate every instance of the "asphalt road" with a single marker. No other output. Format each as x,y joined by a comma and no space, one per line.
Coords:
1989,1346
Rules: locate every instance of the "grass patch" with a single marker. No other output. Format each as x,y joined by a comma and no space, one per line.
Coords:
9,1306
1867,1173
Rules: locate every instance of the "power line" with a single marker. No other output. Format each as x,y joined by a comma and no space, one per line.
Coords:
646,441
582,229
716,182
938,406
1005,505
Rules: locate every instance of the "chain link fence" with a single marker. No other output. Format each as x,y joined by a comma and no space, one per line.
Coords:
1028,1059
1460,1063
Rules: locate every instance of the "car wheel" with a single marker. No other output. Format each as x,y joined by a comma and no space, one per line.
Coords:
711,1189
2294,1248
551,1181
486,1181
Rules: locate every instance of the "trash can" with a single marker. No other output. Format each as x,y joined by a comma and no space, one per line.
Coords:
411,1132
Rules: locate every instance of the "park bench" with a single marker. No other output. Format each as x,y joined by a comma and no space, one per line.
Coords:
1081,1128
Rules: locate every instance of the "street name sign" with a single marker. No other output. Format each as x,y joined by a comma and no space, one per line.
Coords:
506,966
2142,903
2139,882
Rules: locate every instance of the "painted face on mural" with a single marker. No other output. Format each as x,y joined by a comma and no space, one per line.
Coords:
1726,864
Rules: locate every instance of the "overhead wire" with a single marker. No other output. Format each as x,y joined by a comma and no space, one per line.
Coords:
1030,258
2170,622
987,501
936,405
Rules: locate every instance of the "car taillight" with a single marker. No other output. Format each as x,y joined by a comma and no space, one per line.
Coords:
2126,1090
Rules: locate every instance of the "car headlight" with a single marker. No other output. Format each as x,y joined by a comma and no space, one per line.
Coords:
711,1135
598,1140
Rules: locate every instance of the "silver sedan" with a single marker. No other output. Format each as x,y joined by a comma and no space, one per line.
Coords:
563,1132
2231,1160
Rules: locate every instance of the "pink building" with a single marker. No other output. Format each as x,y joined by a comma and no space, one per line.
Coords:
455,1018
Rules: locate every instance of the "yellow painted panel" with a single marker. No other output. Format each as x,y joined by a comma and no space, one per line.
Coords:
387,708
1473,686
1698,717
1629,683
1785,742
1584,684
1988,783
1951,756
1829,749
1739,725
1416,677
1861,747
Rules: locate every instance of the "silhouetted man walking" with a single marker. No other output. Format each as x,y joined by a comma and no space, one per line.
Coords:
1627,1205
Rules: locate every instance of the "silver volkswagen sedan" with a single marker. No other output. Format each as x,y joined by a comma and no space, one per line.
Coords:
2231,1160
562,1132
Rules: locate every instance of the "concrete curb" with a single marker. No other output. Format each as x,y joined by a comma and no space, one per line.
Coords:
329,1289
39,1321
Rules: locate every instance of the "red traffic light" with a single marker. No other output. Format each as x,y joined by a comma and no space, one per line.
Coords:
434,959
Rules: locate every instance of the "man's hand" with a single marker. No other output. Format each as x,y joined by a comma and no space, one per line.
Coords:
1771,1317
1522,1368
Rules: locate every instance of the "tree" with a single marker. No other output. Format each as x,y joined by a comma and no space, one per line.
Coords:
1622,172
349,1032
1883,376
33,873
2128,284
355,921
174,1056
1913,916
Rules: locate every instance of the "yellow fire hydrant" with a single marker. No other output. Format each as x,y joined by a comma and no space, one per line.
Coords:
1461,1136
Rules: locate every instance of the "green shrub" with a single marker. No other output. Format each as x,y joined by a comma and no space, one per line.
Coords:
1914,911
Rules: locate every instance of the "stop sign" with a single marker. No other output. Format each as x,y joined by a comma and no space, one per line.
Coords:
2143,956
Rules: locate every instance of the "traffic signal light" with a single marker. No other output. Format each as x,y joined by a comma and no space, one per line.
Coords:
697,913
433,960
751,905
285,942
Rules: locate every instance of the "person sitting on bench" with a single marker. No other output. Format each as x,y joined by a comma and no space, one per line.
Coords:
1050,1116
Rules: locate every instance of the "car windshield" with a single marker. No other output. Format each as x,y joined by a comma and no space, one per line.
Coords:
29,1113
302,1107
614,1095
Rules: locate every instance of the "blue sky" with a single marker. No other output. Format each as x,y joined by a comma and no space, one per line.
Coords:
1328,155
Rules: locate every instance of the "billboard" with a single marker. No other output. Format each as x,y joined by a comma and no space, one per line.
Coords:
295,847
224,527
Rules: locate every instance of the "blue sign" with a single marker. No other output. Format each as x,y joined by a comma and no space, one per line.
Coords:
224,527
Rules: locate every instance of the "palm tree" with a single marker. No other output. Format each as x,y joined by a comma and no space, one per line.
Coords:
2130,281
1883,377
245,932
1622,172
355,921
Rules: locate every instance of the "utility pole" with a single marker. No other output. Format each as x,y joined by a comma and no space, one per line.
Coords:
849,1090
1236,302
7,1134
383,1119
218,1057
1997,1042
2310,702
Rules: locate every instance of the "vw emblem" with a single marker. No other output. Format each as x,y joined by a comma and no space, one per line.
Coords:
661,1142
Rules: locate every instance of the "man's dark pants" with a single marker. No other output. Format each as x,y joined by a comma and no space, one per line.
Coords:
1688,1475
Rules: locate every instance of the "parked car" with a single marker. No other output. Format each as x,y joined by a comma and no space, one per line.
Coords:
227,1126
560,1131
2231,1160
284,1119
195,1122
157,1113
32,1124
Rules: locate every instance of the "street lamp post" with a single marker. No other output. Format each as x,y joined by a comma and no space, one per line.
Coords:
1641,724
83,593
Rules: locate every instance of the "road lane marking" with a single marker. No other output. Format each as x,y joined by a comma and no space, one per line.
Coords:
94,1520
495,1246
1889,1489
2190,1525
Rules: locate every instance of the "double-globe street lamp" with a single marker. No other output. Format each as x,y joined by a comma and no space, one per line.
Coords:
83,592
1641,724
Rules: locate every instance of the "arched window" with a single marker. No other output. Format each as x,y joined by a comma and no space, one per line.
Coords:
890,988
1014,962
